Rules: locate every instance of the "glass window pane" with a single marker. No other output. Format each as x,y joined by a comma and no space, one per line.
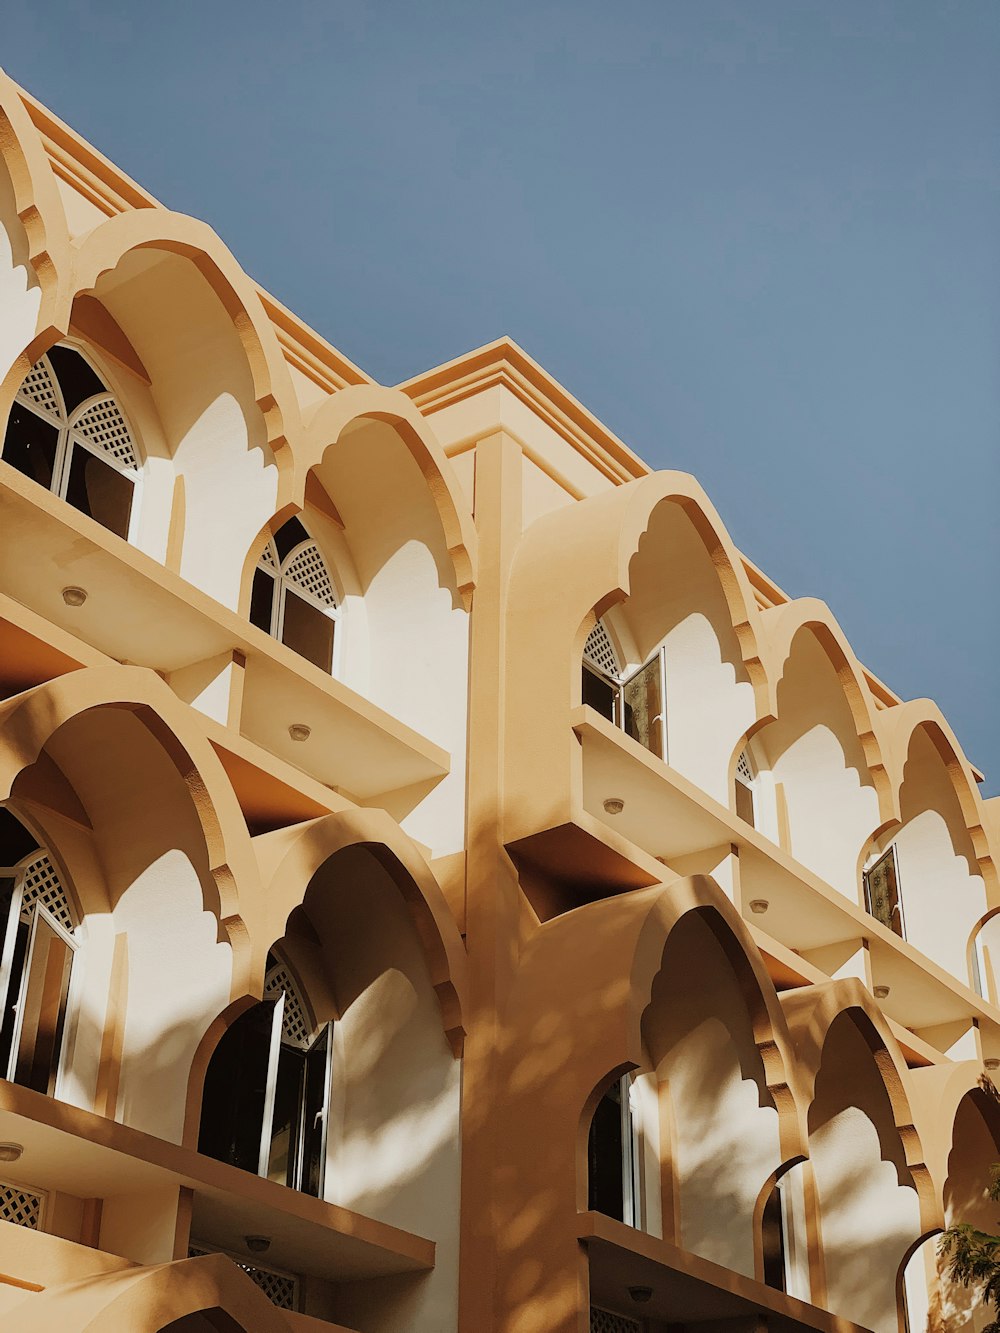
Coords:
232,1109
262,600
286,1124
882,891
314,1116
773,1239
77,379
307,630
599,693
9,1001
30,445
744,802
43,1007
643,707
100,490
605,1156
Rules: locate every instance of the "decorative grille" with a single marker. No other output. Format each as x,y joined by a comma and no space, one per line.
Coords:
281,1289
743,770
268,559
295,1026
102,425
306,570
605,1321
40,389
43,885
600,650
20,1207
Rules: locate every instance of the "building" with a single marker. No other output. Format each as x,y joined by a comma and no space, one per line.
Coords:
448,886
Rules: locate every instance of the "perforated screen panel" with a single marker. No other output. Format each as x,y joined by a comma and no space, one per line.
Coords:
102,425
20,1206
744,771
281,1289
600,650
306,570
295,1027
39,388
42,885
606,1321
268,557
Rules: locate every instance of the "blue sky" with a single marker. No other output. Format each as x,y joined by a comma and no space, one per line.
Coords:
760,240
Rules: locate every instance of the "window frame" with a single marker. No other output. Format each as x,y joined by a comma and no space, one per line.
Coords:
619,684
875,861
280,587
70,438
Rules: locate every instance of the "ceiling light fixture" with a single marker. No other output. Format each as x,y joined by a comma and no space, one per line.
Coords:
10,1152
299,731
759,906
258,1244
881,992
74,596
614,805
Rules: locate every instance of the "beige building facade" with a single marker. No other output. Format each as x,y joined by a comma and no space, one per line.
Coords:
444,884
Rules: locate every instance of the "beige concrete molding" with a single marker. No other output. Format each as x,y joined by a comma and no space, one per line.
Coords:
30,719
290,858
328,421
811,1012
937,1094
145,1300
781,626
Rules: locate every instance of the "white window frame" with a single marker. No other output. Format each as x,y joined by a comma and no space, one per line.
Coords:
632,1199
70,439
870,864
623,678
281,585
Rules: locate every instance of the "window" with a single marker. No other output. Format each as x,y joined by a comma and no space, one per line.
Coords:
632,700
38,948
745,779
67,432
267,1088
785,1248
613,1156
293,598
882,897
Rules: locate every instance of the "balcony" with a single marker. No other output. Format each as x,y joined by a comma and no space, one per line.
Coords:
686,1289
141,613
83,1154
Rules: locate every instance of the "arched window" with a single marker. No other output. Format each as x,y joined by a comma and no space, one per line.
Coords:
267,1088
632,700
746,777
293,598
614,1156
67,432
38,947
883,899
785,1248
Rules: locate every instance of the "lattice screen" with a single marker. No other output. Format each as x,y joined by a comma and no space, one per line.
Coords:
20,1207
43,885
268,558
281,1289
295,1026
600,650
605,1321
744,771
39,388
102,425
307,571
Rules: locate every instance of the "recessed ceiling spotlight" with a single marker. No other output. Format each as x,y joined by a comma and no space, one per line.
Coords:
74,596
299,731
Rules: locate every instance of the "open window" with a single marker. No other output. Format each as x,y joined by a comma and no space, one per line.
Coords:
614,1156
67,432
632,700
267,1089
746,778
882,895
37,959
293,598
785,1250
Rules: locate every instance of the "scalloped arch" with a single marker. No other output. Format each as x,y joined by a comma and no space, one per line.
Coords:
293,858
28,720
359,402
782,626
102,249
812,1013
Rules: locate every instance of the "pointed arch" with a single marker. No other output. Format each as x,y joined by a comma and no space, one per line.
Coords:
291,857
357,403
30,719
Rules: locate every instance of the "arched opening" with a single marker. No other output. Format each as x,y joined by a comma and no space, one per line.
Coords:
868,1205
39,923
975,1148
266,1098
622,1151
66,431
784,1235
630,697
293,597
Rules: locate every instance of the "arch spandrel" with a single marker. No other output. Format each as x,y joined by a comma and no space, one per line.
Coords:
29,720
148,1299
781,627
102,249
358,403
291,857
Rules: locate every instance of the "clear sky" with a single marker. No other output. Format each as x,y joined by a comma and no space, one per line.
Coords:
761,241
